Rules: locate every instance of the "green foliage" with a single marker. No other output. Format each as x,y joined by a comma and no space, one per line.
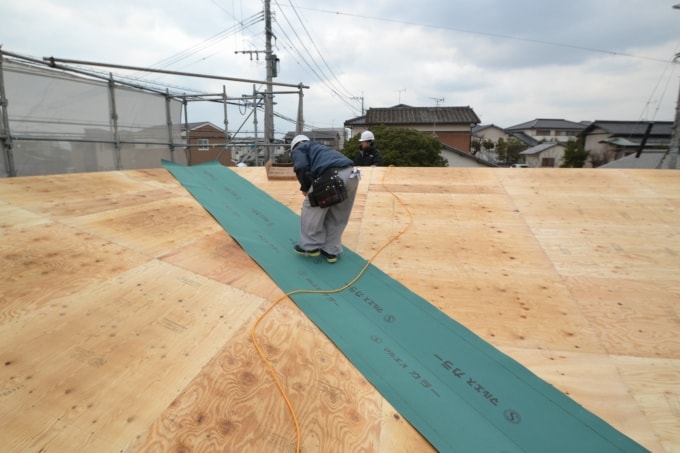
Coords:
488,144
508,150
574,155
402,147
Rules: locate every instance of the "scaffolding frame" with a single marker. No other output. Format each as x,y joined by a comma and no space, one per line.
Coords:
117,140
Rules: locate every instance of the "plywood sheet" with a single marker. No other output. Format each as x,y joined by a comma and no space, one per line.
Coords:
571,272
111,356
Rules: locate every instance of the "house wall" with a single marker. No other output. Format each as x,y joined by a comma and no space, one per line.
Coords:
457,161
452,135
536,160
459,140
601,152
592,139
492,133
550,135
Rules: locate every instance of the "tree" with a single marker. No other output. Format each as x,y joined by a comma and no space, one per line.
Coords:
508,150
574,155
488,144
402,147
476,146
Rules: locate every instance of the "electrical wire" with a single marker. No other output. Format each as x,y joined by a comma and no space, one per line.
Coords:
670,65
492,35
311,39
259,349
317,70
321,78
205,44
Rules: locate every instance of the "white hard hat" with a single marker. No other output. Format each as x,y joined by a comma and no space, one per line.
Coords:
366,136
298,139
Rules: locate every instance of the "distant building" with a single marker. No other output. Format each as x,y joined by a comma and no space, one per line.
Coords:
451,125
329,137
489,132
456,158
548,154
548,130
609,141
206,142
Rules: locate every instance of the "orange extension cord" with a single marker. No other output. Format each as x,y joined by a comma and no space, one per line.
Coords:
318,291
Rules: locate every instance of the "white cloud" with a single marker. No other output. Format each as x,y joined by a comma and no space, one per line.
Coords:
510,61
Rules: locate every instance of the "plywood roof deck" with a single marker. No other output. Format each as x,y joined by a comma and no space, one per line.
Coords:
125,309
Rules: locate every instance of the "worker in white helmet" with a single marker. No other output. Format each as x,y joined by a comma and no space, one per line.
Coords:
321,228
367,155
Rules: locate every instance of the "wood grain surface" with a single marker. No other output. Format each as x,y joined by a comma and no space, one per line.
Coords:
125,310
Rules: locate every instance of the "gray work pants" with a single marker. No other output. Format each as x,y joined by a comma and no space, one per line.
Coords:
322,228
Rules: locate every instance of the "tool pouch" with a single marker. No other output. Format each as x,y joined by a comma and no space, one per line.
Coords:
327,190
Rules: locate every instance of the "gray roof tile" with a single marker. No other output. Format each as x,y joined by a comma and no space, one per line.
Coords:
421,115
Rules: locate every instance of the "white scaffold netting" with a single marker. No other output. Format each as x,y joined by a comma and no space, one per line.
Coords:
61,123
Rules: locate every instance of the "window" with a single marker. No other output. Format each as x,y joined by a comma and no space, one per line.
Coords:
548,162
203,144
543,132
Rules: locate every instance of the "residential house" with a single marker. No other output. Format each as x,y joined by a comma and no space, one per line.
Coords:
608,141
451,125
329,137
547,154
457,158
491,134
649,159
544,130
206,142
333,138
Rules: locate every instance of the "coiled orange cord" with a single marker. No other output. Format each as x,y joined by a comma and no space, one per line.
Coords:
317,291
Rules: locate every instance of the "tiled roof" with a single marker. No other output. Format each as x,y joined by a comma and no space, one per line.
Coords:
631,128
546,123
421,115
648,159
540,148
469,156
483,127
357,121
196,125
524,138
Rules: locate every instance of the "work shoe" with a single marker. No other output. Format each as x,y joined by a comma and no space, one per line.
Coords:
299,250
330,258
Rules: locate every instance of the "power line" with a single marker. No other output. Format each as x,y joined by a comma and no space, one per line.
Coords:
209,42
304,27
321,77
492,35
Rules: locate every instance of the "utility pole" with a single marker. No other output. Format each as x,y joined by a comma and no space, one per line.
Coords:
270,62
269,95
360,98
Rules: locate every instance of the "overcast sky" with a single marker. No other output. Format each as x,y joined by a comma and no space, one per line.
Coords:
510,60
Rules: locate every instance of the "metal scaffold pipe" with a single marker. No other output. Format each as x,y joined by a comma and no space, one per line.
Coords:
53,63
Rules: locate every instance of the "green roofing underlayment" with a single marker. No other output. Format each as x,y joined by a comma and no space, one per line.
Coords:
457,390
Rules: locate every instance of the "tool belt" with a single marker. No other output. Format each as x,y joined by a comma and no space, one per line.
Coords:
328,189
